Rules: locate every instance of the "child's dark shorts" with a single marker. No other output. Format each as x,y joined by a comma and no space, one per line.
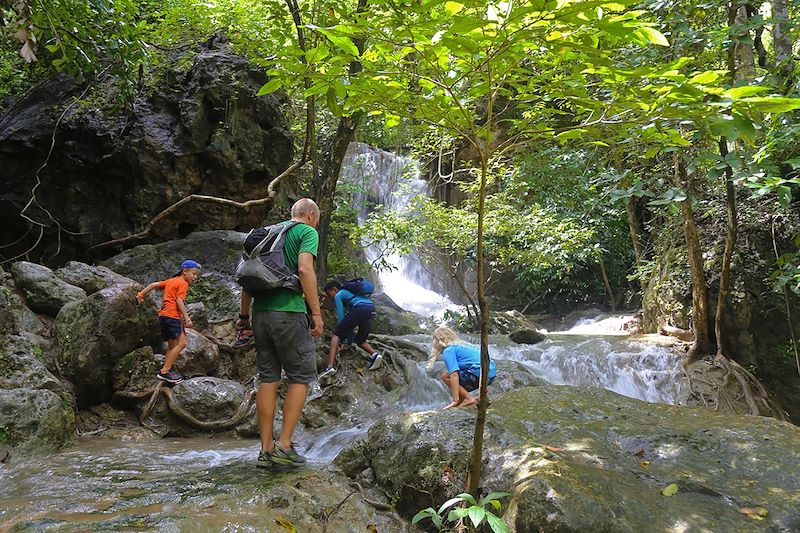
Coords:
361,315
171,328
470,381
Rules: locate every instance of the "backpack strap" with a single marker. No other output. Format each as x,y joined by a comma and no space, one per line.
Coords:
283,229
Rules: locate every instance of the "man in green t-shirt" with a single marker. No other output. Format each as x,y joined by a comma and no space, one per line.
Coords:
283,332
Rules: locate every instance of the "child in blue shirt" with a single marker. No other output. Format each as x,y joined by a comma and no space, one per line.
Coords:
360,313
463,364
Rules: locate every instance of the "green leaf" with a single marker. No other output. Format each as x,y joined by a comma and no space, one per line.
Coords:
653,35
492,497
270,87
425,513
744,91
670,490
704,78
455,514
341,41
448,503
451,8
772,104
476,515
497,524
467,497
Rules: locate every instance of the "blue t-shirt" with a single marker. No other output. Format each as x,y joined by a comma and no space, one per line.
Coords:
465,359
344,297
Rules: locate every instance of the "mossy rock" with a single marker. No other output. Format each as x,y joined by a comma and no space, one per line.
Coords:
577,460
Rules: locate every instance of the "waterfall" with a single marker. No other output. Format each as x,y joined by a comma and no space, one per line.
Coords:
391,180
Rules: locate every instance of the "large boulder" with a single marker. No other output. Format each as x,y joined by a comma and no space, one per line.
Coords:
200,405
34,420
389,321
94,333
199,358
90,278
204,131
591,460
44,291
36,409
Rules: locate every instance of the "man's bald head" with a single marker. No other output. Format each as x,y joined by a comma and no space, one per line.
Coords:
306,210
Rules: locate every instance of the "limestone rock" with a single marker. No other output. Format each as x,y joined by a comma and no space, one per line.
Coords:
199,358
90,278
34,420
205,132
526,336
44,291
94,333
578,460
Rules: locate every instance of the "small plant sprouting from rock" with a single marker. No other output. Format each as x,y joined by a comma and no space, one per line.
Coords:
3,434
477,513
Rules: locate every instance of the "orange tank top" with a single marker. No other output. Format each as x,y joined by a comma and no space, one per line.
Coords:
174,288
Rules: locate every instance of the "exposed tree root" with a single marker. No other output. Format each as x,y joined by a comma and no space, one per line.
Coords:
245,409
722,396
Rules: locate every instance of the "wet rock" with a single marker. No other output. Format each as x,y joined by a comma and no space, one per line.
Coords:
94,333
31,397
205,132
217,252
500,322
199,358
34,420
107,422
526,336
90,278
512,375
203,405
389,321
136,371
590,460
44,291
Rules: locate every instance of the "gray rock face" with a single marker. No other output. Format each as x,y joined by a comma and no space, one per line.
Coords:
36,409
591,460
94,333
209,398
217,252
526,336
199,358
34,420
205,132
44,291
392,322
88,277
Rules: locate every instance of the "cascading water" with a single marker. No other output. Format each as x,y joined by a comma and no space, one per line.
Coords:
587,354
392,181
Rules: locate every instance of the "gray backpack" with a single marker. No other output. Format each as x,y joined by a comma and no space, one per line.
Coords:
262,266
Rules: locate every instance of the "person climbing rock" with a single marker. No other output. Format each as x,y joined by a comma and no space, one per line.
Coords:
173,317
354,296
463,362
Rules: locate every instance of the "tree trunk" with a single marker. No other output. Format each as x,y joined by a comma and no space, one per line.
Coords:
744,67
334,151
637,235
611,300
782,44
474,474
730,244
702,341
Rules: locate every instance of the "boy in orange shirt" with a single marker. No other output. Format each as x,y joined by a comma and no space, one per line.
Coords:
173,316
